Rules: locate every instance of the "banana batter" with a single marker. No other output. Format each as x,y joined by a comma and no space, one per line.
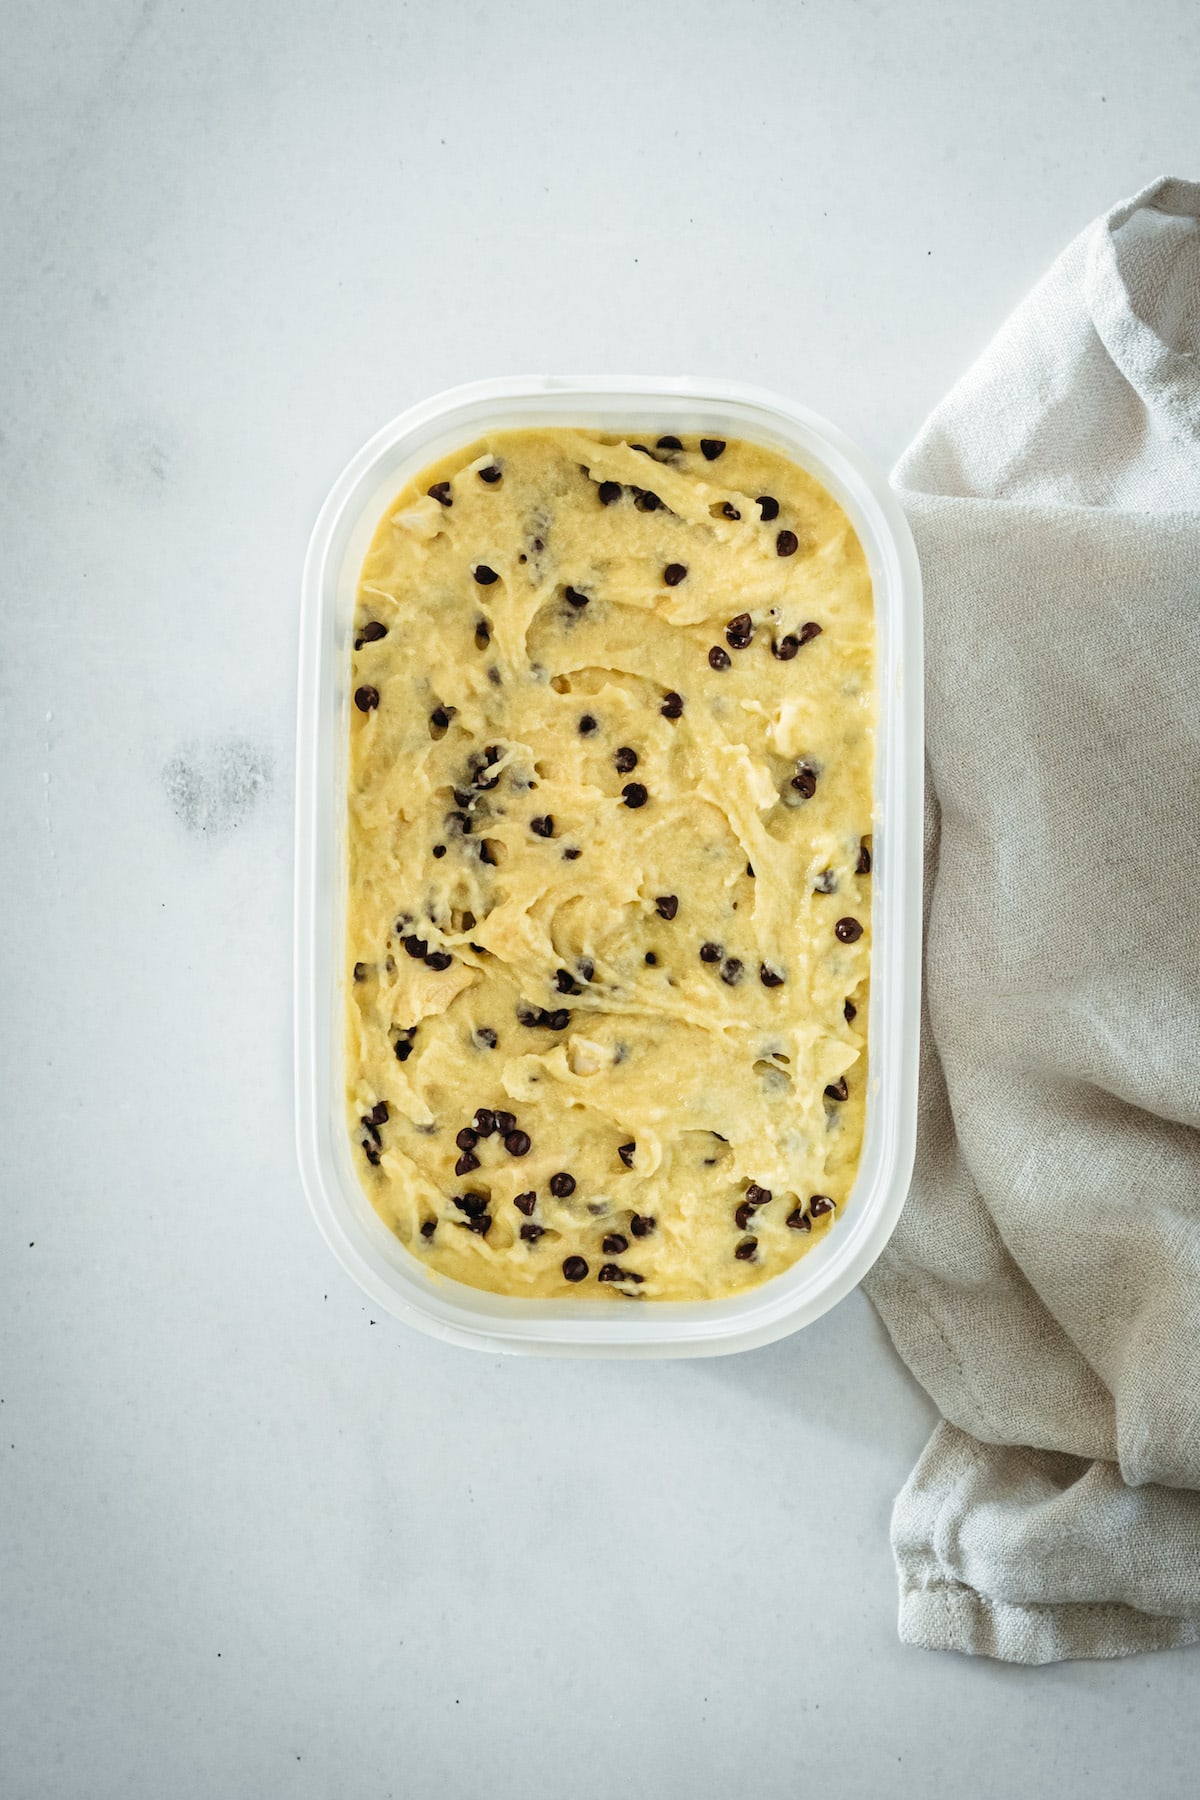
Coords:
612,758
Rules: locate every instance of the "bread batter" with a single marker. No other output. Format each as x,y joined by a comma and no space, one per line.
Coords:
612,760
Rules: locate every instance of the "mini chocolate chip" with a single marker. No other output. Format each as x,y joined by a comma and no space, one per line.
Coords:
403,1051
562,1185
614,1244
366,699
466,1139
625,759
674,573
825,883
483,634
480,1225
587,725
838,1090
718,658
573,597
517,1143
565,982
361,971
371,632
466,1162
786,544
642,447
642,1225
672,706
863,866
505,1122
439,717
746,1250
729,511
416,947
484,575
609,491
785,648
809,632
439,850
850,1011
743,1215
739,631
487,1038
490,474
525,1203
378,1114
805,780
799,1220
634,794
586,967
768,507
819,1205
668,443
438,960
428,1228
370,1127
732,971
471,1204
625,1152
485,1118
750,870
610,1272
575,1269
531,1233
711,953
371,1152
571,853
542,826
557,1021
770,977
440,491
650,959
647,502
666,906
711,448
848,931
758,1196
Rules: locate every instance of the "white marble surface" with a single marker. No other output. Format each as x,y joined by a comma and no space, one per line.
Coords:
255,1540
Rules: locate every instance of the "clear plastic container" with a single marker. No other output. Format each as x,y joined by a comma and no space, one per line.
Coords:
383,1268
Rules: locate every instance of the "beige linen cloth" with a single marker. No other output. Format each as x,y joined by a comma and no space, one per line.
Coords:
1044,1281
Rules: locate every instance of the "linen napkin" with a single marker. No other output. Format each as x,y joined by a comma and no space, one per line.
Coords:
1044,1281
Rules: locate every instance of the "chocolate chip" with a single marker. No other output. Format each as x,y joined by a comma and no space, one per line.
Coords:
672,706
466,1139
863,865
472,1204
825,883
525,1203
483,634
819,1205
747,1249
634,794
711,953
838,1090
439,850
557,1021
758,1196
466,1162
361,971
729,511
565,982
403,1051
543,826
571,853
575,1269
371,1129
506,1122
642,1225
486,1037
366,699
531,1233
739,631
440,491
770,977
625,759
799,1220
668,443
785,648
371,632
711,448
491,474
666,906
732,971
786,544
610,1272
438,960
625,1152
562,1185
439,718
674,573
428,1228
614,1244
485,1118
371,1152
587,725
809,632
378,1114
850,1011
481,1225
743,1215
484,575
750,870
609,491
647,502
768,507
848,931
642,447
805,780
650,959
586,967
517,1143
416,947
573,597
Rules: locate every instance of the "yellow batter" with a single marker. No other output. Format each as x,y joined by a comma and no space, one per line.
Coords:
612,757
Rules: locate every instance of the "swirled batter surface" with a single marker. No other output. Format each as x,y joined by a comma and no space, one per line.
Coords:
612,758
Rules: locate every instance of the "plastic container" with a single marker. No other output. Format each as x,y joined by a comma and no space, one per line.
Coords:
375,1258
